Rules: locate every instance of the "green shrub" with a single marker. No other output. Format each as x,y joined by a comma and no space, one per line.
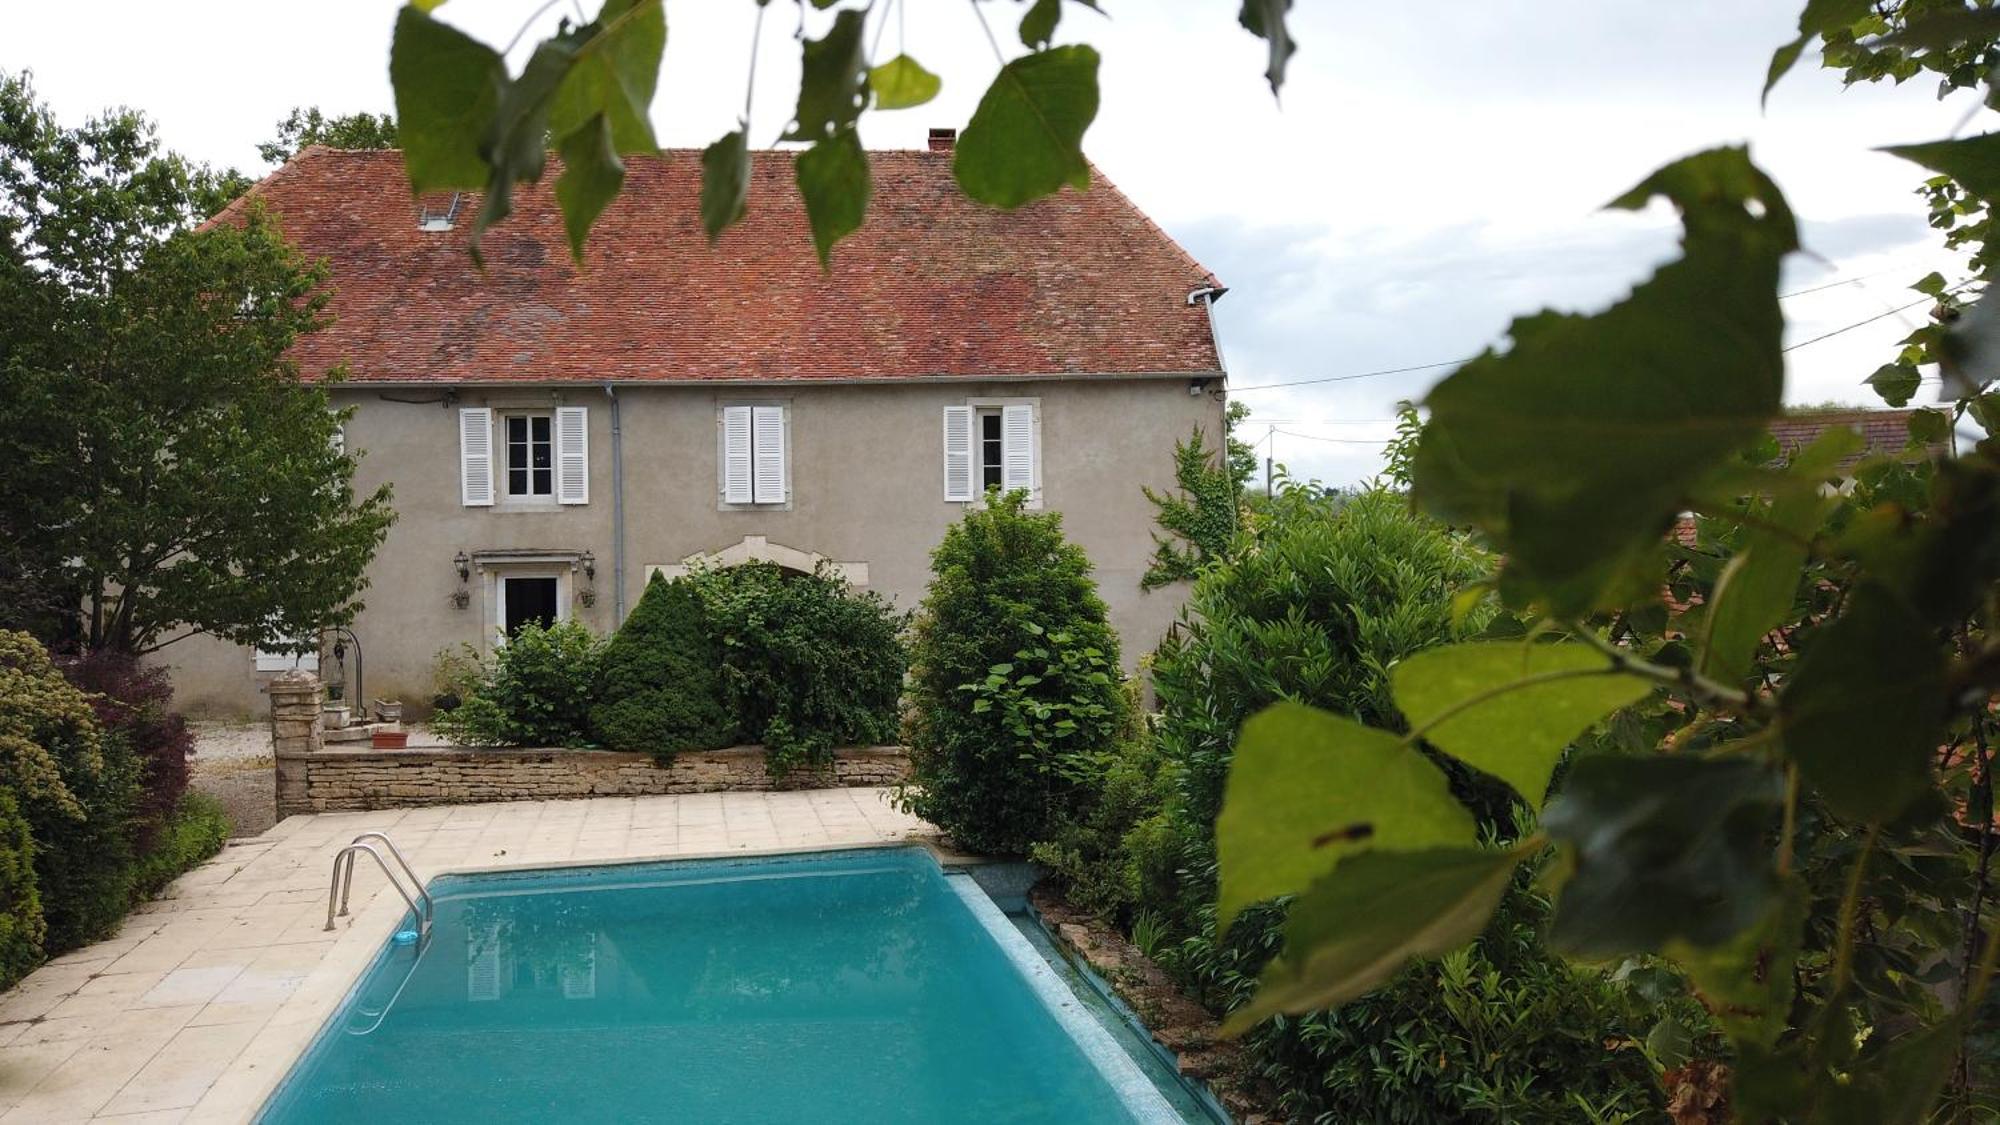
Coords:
197,830
77,791
539,692
1501,1031
1015,703
1319,600
22,928
808,663
1102,856
661,687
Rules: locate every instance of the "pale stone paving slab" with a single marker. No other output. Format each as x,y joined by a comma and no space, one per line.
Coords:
202,1001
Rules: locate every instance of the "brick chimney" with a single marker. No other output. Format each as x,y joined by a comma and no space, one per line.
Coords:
942,140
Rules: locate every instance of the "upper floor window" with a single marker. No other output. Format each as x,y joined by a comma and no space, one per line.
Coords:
992,444
541,455
755,455
531,455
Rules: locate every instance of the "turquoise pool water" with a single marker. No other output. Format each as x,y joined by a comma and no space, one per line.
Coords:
849,987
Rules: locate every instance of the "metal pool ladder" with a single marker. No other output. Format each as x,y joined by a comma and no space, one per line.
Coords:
343,882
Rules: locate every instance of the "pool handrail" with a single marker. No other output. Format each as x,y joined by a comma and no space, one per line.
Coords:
342,885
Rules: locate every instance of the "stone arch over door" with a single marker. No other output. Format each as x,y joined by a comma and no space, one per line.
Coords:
757,548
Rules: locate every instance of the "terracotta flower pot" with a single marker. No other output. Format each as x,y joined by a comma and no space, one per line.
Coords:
390,739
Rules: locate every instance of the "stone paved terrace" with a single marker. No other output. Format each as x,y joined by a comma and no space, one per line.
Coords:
202,1002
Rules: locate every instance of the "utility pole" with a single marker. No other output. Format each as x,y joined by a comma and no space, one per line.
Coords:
1270,448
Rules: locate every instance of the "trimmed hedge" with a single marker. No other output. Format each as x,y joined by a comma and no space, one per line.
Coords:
196,830
1015,702
661,687
808,662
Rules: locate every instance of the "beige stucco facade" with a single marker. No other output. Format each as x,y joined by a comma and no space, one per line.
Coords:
865,464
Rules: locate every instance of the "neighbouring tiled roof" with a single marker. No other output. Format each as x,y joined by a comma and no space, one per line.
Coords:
1882,431
1081,283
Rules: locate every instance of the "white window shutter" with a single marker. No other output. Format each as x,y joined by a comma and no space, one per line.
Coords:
475,456
958,453
769,442
736,487
1017,448
572,455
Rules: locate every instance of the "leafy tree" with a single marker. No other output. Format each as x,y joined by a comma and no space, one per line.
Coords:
308,126
1202,520
660,687
167,469
1013,702
22,928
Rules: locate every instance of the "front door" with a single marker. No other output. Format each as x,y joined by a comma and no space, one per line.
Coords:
528,599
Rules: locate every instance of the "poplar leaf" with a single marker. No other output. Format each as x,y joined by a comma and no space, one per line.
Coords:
592,176
448,86
1516,735
1576,448
902,83
725,183
1025,140
833,178
1307,787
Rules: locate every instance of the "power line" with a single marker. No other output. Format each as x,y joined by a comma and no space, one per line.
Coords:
1335,440
1878,316
1468,359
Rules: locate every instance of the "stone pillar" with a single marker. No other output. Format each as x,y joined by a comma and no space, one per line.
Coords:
295,735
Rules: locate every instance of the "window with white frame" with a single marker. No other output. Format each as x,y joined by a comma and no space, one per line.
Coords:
541,455
531,455
992,444
302,653
755,459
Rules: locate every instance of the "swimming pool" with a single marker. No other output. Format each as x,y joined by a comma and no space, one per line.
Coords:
850,986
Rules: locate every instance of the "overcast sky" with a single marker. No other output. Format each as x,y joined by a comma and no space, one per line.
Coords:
1432,170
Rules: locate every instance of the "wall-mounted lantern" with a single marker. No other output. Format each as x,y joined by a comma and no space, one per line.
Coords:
462,597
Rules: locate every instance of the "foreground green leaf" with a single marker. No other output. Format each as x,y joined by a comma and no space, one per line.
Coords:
725,183
592,176
902,83
833,82
1025,140
1664,850
1754,594
1576,448
1747,982
1863,714
833,179
1353,929
1819,18
448,86
1972,161
1266,20
1307,787
615,76
1896,382
1515,733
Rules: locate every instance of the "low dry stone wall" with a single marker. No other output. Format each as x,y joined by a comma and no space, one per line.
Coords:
326,780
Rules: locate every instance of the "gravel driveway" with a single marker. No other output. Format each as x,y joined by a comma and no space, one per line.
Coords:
232,763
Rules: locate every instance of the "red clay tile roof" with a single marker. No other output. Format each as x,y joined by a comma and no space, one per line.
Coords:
1882,431
934,285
